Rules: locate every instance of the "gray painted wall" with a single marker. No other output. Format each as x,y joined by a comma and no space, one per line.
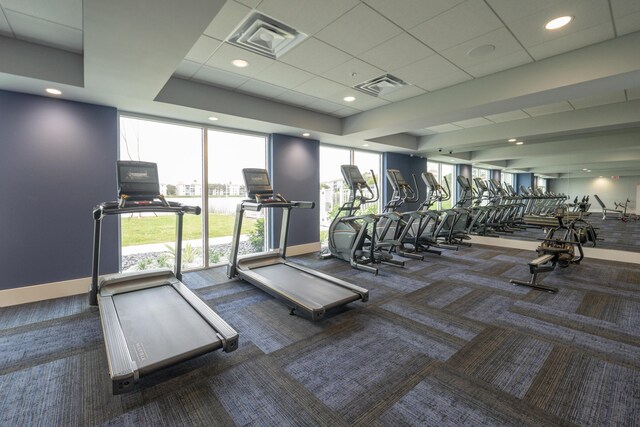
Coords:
57,160
295,173
609,190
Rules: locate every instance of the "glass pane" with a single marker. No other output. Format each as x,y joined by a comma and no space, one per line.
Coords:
367,162
229,153
148,240
333,192
448,172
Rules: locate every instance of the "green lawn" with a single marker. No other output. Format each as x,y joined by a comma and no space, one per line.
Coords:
161,229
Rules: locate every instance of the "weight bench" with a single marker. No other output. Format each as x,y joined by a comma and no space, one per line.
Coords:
537,266
619,214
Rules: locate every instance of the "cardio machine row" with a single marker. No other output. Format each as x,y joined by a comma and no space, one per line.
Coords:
365,238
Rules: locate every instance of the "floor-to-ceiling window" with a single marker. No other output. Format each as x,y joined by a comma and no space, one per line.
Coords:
445,175
479,173
541,184
333,191
147,240
228,154
509,178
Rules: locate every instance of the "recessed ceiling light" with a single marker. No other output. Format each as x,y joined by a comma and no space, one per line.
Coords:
559,22
589,170
306,134
365,145
584,169
213,119
54,91
601,176
349,98
519,143
512,140
240,63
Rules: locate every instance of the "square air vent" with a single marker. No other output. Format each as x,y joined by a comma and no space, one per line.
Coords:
381,86
266,36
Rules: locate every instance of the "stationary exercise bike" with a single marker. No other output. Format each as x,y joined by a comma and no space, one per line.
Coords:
558,248
352,237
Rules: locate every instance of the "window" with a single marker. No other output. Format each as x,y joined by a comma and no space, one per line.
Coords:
225,189
479,173
541,183
147,241
509,178
333,191
442,171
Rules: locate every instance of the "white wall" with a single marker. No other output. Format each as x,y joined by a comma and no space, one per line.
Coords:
609,190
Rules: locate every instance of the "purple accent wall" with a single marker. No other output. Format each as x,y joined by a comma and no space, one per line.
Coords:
57,160
295,173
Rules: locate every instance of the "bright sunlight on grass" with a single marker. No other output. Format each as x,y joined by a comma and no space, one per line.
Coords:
160,229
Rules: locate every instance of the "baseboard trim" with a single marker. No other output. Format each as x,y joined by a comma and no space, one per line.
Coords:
595,253
44,291
307,248
35,293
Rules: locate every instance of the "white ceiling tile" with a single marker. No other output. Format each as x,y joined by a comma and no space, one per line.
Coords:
345,112
315,56
187,69
44,32
457,25
250,3
5,29
284,75
571,41
203,49
447,127
363,101
296,98
501,39
626,14
509,10
353,72
226,53
499,64
231,14
63,12
256,87
594,101
472,123
433,72
508,116
633,93
541,110
409,13
323,88
307,16
404,92
324,106
528,26
218,77
358,30
397,52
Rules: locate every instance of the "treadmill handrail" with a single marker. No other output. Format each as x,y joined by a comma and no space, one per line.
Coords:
113,208
251,205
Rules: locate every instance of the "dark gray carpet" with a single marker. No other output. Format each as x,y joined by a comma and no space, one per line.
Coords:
444,342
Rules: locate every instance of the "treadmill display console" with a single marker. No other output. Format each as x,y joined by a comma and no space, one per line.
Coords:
138,179
257,182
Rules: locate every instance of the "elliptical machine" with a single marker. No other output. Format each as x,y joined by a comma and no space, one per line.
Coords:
352,237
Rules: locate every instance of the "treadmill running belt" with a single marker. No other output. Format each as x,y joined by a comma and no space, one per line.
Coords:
161,327
297,284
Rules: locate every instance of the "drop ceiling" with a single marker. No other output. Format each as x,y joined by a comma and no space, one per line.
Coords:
478,72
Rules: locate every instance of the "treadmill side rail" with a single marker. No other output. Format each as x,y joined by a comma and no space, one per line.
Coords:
364,293
227,334
123,370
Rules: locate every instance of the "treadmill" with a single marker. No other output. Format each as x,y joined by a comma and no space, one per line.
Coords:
150,319
302,289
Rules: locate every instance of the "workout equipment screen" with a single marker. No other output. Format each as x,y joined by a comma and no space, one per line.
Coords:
138,178
257,182
353,174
